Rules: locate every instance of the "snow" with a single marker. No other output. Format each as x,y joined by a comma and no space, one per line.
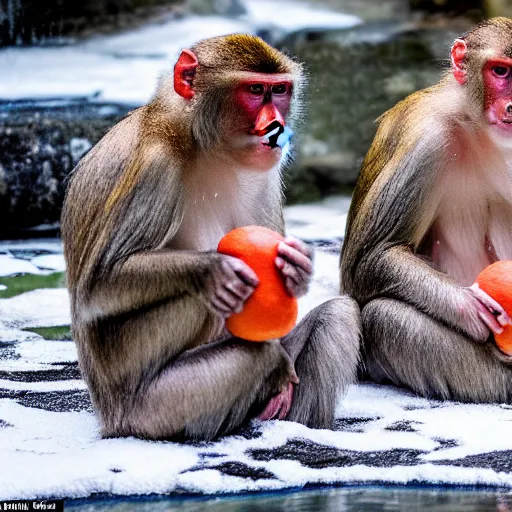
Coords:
42,449
291,16
38,354
38,308
64,385
330,219
47,244
125,67
11,266
53,262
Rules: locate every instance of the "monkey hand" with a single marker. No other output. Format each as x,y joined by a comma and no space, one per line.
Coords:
492,317
279,405
295,261
230,283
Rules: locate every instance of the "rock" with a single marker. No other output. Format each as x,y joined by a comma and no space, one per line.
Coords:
451,6
27,22
38,149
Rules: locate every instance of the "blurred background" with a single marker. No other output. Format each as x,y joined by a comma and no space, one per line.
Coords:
71,69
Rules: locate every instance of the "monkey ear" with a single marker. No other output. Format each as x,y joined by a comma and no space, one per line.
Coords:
458,54
184,72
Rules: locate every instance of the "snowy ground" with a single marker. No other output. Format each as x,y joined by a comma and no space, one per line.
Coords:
124,68
49,446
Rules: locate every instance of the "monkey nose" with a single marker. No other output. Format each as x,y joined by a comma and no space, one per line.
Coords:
267,120
509,108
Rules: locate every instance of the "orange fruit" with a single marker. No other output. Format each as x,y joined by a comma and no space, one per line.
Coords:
496,281
270,312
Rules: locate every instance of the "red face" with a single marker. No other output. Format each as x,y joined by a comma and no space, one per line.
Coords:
497,75
266,103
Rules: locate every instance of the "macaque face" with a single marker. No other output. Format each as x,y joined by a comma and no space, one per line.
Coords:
264,103
497,75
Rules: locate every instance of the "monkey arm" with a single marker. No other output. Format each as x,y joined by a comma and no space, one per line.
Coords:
148,278
396,272
394,205
400,274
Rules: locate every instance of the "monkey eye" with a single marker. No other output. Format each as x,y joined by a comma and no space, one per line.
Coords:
279,89
501,71
256,89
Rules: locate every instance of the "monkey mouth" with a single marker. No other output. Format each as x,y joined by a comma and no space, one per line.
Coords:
278,136
270,133
273,133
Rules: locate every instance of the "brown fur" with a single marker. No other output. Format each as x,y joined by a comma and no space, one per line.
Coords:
432,207
144,212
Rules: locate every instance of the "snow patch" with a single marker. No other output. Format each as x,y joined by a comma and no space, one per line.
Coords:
53,262
38,308
9,265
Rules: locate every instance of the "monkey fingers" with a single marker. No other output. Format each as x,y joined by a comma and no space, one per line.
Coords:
493,315
295,262
232,283
240,269
227,302
220,307
295,251
296,279
279,405
239,288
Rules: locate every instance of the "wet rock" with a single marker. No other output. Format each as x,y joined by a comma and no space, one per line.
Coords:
39,146
352,424
27,22
445,443
476,7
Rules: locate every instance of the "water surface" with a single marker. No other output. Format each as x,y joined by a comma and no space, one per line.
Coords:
355,499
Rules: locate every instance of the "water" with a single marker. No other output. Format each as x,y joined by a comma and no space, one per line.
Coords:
355,499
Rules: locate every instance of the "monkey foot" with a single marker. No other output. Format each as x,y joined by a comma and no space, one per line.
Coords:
279,405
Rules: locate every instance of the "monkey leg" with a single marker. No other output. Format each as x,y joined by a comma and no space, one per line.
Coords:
208,391
325,347
409,348
212,389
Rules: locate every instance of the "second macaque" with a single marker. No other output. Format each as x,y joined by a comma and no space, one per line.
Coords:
144,213
431,209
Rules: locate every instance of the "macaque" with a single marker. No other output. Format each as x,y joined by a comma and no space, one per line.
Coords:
431,209
144,212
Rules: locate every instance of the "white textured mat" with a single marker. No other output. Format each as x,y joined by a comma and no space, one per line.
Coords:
49,445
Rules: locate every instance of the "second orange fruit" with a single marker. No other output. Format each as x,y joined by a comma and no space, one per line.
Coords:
496,281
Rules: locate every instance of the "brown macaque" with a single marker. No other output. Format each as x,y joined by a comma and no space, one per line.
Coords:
431,209
144,212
